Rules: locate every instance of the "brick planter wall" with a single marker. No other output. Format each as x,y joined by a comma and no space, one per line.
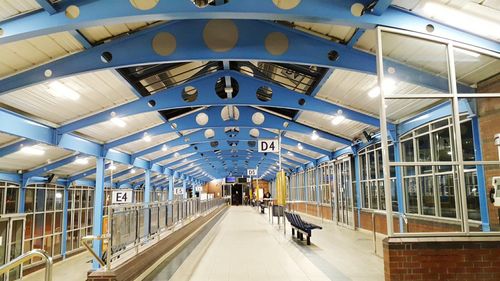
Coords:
442,258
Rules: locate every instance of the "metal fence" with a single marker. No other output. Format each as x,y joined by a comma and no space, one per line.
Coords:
133,226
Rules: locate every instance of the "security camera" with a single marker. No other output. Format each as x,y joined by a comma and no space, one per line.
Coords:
497,139
201,3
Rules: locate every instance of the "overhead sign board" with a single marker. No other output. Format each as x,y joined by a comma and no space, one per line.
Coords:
269,145
251,172
178,191
121,196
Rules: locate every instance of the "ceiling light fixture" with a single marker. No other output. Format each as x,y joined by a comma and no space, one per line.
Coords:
147,137
31,150
60,90
82,161
118,122
314,135
389,87
164,148
132,171
299,146
112,167
338,118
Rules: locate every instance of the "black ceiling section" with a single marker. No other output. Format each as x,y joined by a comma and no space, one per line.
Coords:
149,79
302,79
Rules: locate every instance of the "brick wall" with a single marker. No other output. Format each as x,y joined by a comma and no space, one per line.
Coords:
442,258
489,125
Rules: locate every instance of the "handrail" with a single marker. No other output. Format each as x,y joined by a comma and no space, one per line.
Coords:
84,243
4,269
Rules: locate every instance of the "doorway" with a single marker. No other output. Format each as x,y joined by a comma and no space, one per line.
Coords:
236,194
344,193
11,242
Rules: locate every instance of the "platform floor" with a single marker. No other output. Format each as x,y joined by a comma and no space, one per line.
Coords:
245,246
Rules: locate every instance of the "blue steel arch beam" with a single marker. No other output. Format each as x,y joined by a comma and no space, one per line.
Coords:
17,125
196,158
188,122
172,98
215,161
49,167
334,12
303,48
220,135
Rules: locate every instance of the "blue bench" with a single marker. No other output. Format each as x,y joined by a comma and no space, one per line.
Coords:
301,226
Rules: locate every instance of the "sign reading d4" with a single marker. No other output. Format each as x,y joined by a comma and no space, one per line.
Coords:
271,145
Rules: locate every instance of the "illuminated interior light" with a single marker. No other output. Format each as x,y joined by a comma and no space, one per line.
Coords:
118,122
461,19
314,135
146,138
133,171
299,146
82,161
31,150
389,87
112,167
164,148
338,118
60,90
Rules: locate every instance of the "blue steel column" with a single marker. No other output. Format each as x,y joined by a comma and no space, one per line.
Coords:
399,185
147,200
481,180
357,175
65,221
171,187
184,187
98,208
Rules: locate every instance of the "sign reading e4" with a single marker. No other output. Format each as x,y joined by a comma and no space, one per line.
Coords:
121,196
271,145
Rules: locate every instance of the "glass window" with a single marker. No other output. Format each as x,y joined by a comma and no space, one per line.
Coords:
40,200
411,195
39,221
472,196
59,195
427,194
381,193
442,148
11,202
29,202
467,142
408,156
373,195
371,164
424,153
447,195
50,199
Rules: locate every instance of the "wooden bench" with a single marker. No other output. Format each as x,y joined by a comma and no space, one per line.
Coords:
301,226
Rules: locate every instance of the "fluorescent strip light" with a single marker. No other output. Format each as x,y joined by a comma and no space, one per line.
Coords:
118,122
32,150
60,90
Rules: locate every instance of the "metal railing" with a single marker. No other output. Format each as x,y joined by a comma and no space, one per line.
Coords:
4,269
132,227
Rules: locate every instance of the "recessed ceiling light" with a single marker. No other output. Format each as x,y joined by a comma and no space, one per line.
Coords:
31,150
60,90
82,161
118,122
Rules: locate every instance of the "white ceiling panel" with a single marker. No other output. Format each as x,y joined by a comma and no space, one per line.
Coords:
98,91
347,128
25,54
6,139
350,89
173,159
161,153
22,161
74,168
304,151
108,131
100,33
339,32
140,145
12,8
321,143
